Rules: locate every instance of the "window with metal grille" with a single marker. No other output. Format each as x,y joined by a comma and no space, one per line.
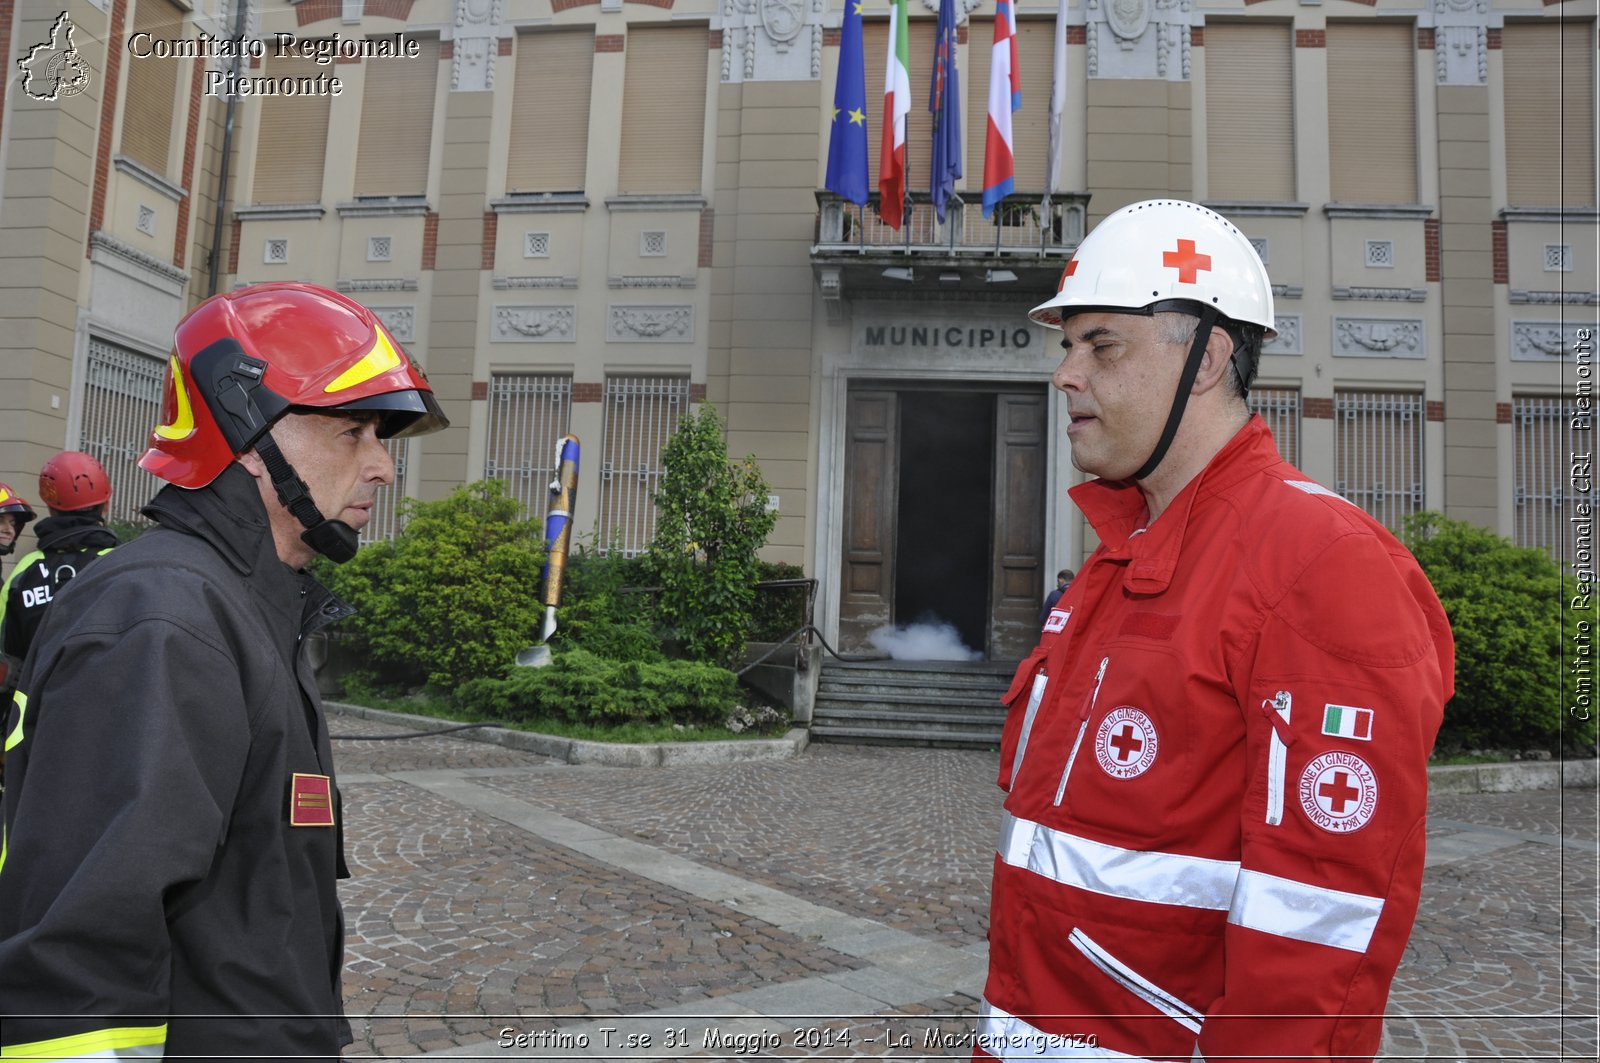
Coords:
641,415
1542,479
528,415
384,522
1377,440
1280,408
121,404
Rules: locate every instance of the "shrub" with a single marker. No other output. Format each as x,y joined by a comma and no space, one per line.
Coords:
712,520
599,614
456,595
1504,603
778,610
580,687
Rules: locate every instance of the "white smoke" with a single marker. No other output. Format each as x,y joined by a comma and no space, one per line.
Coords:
929,641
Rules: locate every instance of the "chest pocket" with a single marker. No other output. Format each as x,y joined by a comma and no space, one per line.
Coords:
1134,762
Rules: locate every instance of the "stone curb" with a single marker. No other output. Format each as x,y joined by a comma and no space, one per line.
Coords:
1447,779
604,754
1514,776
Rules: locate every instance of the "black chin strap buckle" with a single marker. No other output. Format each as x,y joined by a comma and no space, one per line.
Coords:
333,539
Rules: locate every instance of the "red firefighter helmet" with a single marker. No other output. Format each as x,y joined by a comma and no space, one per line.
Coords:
14,505
243,359
73,480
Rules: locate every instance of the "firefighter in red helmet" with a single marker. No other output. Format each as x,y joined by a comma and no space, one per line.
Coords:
173,843
75,489
15,513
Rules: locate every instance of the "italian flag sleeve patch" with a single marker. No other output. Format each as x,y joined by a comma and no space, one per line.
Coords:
1347,721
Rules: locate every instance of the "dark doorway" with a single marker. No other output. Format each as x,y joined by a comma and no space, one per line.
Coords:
946,513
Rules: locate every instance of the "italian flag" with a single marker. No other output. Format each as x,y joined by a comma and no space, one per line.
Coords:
1345,721
896,106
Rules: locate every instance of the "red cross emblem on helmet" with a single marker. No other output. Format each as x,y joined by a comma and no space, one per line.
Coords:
1187,261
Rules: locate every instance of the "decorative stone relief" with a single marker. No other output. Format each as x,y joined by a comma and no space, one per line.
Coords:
1395,295
401,321
774,40
1521,296
650,324
1287,341
478,24
1138,39
1377,337
1461,42
501,282
533,324
649,281
378,284
1544,341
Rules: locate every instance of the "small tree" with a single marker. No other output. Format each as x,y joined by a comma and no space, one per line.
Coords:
456,595
712,520
1504,603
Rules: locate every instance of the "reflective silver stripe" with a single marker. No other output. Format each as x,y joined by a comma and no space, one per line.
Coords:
1303,912
1005,1036
1160,878
1040,681
1136,983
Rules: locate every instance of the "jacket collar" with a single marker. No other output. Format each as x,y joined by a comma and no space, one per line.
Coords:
74,531
229,515
1116,509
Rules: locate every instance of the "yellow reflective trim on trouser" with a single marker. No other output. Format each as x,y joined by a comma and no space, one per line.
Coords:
14,739
125,1042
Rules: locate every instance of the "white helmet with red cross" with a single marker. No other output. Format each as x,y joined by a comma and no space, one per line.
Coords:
1163,251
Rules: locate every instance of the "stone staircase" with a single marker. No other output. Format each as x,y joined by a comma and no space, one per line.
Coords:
917,703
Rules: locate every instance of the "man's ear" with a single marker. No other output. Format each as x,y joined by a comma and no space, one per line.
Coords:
1214,363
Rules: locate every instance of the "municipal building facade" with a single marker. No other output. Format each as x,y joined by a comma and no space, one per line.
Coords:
589,216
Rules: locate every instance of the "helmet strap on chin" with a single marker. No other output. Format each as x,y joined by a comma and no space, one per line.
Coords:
333,539
1209,316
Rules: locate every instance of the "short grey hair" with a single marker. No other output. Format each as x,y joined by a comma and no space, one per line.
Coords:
1178,328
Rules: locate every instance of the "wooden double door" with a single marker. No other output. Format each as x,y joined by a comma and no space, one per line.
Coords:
944,518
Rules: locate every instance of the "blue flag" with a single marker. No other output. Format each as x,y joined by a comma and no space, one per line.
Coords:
847,144
944,100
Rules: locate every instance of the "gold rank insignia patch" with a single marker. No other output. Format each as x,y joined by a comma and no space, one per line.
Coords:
311,801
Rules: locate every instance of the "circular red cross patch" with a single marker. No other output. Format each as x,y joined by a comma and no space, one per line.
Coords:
1126,743
1339,792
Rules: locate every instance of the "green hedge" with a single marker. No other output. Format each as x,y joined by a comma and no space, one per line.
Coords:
1506,609
583,688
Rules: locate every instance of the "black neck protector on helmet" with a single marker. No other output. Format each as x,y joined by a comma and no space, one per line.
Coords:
1209,316
230,381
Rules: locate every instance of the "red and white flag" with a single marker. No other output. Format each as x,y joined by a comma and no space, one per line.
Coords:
1005,96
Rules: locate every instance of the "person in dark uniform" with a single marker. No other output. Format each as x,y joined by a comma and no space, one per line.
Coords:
1063,581
76,490
173,826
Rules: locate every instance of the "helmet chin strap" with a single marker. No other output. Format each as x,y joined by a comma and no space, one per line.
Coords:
1191,369
333,539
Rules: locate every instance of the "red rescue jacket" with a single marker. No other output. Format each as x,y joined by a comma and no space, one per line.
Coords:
1216,765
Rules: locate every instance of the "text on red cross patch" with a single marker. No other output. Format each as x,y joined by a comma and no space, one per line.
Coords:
1126,743
1187,261
1057,620
1339,792
310,801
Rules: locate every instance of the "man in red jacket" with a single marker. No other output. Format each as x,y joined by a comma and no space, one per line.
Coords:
1216,758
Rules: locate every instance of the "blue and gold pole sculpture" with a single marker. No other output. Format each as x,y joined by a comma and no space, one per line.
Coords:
558,528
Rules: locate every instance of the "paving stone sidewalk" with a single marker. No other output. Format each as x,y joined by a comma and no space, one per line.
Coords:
507,905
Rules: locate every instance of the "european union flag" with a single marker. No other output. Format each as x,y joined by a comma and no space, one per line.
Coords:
944,100
847,144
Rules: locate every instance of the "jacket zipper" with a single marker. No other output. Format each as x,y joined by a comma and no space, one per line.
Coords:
1137,984
1277,711
1083,725
1040,681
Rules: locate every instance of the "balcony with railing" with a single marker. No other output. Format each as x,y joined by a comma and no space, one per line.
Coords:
1020,248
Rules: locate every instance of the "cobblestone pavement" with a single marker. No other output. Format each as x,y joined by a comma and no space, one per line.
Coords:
506,905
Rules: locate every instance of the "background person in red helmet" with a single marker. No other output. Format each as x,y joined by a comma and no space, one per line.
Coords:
173,827
75,489
15,513
1216,757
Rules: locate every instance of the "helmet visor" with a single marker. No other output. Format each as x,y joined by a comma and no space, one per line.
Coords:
401,414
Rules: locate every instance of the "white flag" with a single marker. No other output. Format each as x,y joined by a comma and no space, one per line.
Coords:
1058,103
